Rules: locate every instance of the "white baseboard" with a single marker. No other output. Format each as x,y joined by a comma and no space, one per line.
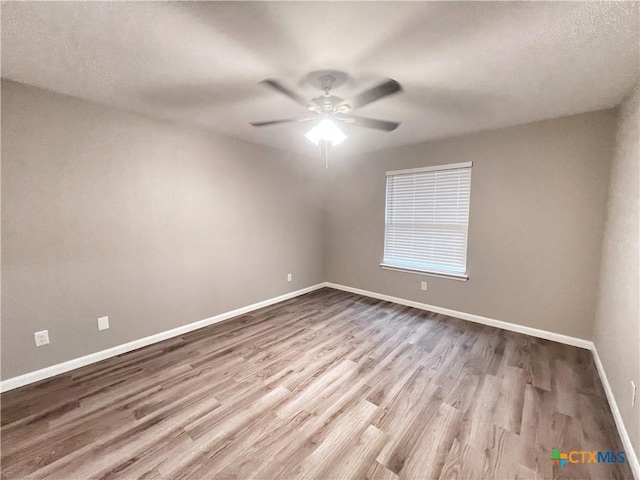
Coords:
632,457
534,332
64,367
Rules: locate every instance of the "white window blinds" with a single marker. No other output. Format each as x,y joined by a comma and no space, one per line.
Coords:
427,218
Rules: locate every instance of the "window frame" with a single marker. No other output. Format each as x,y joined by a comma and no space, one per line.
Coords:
388,266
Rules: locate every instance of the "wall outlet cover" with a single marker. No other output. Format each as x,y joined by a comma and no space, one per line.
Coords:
41,338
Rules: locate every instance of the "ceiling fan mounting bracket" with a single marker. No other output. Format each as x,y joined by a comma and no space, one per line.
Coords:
327,83
325,80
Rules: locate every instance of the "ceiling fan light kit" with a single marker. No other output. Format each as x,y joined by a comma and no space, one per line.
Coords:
326,130
329,109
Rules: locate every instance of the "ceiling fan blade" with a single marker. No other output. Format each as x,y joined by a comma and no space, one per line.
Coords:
370,123
276,85
389,87
283,120
273,122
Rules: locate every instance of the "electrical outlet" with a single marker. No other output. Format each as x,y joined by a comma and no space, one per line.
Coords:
423,286
103,323
633,394
289,277
41,338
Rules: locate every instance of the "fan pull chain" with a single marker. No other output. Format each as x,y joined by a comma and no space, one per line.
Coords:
325,148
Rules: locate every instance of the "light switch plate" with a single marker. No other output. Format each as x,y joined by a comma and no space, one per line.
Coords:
103,323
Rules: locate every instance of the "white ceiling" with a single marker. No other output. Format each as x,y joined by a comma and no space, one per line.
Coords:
464,66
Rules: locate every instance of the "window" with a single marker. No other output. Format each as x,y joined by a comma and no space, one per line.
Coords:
427,219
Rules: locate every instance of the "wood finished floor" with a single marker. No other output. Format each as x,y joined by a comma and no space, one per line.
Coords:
327,385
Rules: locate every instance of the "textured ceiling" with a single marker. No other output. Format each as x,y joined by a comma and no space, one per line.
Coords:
465,66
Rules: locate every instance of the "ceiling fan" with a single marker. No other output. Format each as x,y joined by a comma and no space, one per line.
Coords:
326,108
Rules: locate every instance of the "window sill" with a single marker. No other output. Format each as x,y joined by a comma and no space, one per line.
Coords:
460,278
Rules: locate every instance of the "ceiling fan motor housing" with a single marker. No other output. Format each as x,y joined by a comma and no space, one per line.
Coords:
327,102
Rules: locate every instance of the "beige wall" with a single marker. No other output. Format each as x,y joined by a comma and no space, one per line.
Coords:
153,224
538,196
617,329
159,225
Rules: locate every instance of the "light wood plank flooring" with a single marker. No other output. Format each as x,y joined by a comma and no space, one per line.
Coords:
327,385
